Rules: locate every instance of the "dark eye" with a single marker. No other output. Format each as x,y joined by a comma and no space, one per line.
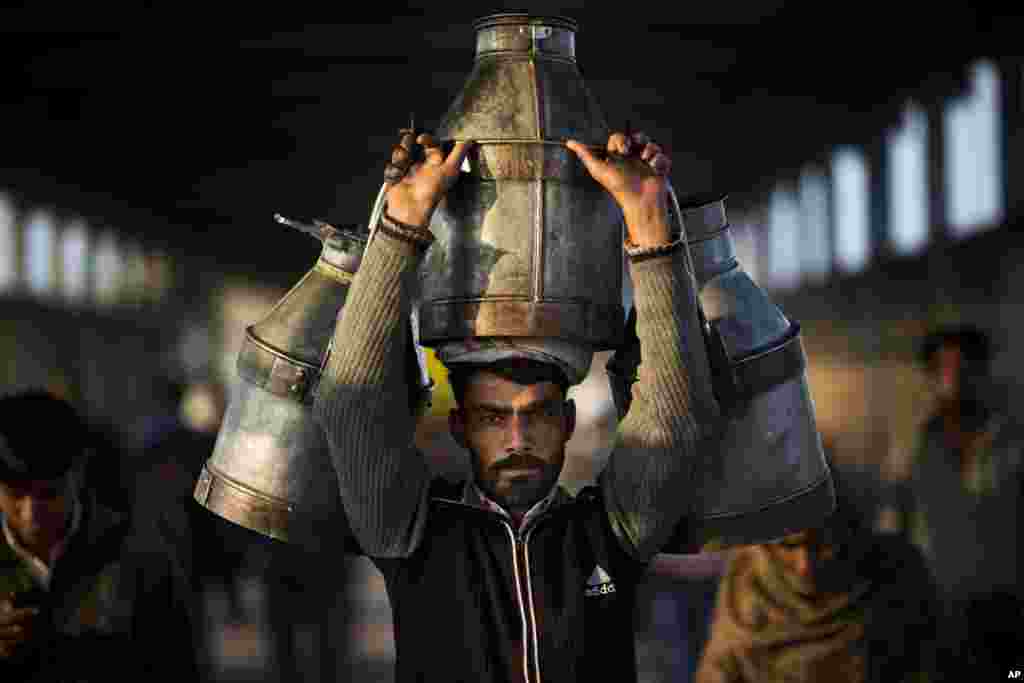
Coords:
493,419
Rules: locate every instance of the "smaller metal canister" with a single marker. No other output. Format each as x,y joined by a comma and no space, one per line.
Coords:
271,470
766,476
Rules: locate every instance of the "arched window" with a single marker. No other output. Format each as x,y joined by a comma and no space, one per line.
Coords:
908,182
8,244
815,245
75,260
850,199
39,252
785,229
974,178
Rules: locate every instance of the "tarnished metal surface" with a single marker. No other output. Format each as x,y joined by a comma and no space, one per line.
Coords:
767,476
527,243
271,470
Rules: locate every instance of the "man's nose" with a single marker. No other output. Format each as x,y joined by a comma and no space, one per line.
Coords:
519,437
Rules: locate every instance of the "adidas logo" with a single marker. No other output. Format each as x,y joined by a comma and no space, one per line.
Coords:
599,583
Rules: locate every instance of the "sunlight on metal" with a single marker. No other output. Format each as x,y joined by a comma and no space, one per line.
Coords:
974,182
784,245
8,244
39,252
907,147
815,244
627,285
744,228
75,260
850,199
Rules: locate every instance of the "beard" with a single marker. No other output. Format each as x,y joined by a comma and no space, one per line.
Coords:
518,481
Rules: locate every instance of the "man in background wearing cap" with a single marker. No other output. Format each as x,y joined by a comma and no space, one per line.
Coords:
76,602
507,577
967,490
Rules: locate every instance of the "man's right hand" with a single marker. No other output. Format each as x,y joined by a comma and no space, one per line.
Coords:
419,175
17,626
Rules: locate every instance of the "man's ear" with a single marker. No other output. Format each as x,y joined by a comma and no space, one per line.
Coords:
570,418
457,426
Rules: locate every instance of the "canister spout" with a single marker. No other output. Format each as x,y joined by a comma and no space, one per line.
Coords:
318,229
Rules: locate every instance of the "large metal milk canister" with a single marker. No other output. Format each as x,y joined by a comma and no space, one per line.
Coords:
767,475
527,243
271,470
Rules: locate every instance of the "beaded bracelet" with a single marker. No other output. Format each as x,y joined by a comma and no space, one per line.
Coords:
420,236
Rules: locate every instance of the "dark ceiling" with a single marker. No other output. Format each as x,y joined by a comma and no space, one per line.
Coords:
194,130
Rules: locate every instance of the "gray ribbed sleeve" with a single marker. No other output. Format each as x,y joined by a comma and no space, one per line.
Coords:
649,481
362,404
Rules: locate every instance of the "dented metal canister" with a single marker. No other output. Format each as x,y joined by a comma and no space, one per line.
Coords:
527,243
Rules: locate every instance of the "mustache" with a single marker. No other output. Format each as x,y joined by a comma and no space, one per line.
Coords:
518,460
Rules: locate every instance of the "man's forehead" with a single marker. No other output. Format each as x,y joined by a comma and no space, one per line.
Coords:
492,387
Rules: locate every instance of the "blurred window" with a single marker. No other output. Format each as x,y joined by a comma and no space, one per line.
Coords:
908,182
815,245
784,246
133,282
974,182
109,268
850,199
8,244
75,260
39,252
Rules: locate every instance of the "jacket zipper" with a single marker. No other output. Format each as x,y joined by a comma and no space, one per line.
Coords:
527,612
529,595
520,600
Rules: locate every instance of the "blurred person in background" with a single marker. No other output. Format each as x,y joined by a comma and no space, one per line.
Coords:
212,553
839,603
78,594
967,502
175,445
253,598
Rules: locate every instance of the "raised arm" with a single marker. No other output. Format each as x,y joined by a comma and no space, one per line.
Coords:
362,398
648,483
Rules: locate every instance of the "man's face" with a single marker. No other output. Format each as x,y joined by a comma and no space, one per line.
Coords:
37,511
516,435
813,562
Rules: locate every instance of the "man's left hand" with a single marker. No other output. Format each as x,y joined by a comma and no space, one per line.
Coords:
635,173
